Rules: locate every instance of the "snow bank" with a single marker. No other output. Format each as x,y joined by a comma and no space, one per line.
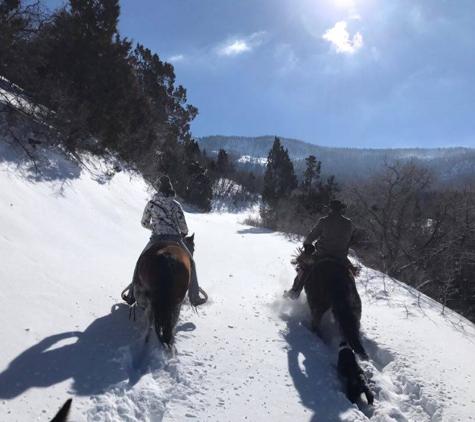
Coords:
69,246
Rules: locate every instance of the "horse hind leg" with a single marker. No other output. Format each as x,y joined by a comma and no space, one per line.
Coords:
317,313
149,331
349,326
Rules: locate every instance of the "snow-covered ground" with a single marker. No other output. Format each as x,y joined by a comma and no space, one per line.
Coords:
68,248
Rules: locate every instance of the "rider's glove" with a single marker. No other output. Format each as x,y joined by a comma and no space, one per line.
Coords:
308,249
292,294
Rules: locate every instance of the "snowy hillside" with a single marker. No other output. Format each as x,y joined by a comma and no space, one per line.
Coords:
68,248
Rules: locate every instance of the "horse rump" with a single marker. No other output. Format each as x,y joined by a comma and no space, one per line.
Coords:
166,279
348,368
332,285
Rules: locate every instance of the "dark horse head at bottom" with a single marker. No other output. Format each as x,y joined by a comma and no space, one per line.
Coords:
356,383
62,415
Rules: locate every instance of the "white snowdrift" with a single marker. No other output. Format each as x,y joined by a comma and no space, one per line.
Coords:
68,247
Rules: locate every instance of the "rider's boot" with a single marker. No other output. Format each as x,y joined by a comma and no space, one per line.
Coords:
198,301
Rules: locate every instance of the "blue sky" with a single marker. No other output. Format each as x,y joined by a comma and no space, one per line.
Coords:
351,73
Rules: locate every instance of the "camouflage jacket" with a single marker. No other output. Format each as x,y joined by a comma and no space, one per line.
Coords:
164,215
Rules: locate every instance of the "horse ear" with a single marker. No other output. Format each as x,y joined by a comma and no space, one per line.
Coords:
192,237
62,415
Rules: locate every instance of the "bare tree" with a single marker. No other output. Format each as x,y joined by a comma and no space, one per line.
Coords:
389,211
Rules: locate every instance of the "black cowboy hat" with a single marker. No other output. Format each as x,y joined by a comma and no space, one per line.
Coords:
337,205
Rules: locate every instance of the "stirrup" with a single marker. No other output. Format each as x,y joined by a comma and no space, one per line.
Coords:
130,300
200,300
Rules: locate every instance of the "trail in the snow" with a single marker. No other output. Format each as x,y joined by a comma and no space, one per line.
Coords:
246,354
218,379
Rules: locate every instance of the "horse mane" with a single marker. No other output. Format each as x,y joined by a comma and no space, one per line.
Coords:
296,256
300,259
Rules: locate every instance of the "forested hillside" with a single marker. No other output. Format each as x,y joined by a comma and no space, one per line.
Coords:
455,164
70,80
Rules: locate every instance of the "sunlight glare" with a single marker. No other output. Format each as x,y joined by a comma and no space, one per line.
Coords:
345,3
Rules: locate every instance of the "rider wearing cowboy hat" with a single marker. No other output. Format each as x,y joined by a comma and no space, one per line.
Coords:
333,233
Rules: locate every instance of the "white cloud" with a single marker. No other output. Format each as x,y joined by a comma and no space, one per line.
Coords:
236,46
177,58
340,38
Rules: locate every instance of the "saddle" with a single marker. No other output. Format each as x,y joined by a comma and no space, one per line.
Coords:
127,294
162,244
305,262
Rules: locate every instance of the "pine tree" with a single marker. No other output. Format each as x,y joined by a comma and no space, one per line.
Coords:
312,172
279,179
313,194
223,166
199,191
173,162
86,60
20,21
311,186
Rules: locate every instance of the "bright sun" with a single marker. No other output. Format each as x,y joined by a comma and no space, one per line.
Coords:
344,3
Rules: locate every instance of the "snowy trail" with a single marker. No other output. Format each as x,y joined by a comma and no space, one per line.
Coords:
246,354
247,346
237,355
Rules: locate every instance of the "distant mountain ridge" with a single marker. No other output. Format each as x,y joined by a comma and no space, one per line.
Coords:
343,162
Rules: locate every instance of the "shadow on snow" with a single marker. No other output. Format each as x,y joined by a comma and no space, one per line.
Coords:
93,361
312,367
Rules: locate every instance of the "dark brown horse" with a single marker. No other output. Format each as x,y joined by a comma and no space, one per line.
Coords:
164,272
332,285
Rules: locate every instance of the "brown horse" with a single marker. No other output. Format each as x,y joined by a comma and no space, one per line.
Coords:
164,272
332,285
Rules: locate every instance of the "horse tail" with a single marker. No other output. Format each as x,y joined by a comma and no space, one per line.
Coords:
162,298
345,311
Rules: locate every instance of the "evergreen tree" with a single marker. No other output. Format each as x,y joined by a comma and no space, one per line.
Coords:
86,60
12,21
279,179
223,166
313,194
192,150
20,21
199,191
173,162
166,103
328,190
311,179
